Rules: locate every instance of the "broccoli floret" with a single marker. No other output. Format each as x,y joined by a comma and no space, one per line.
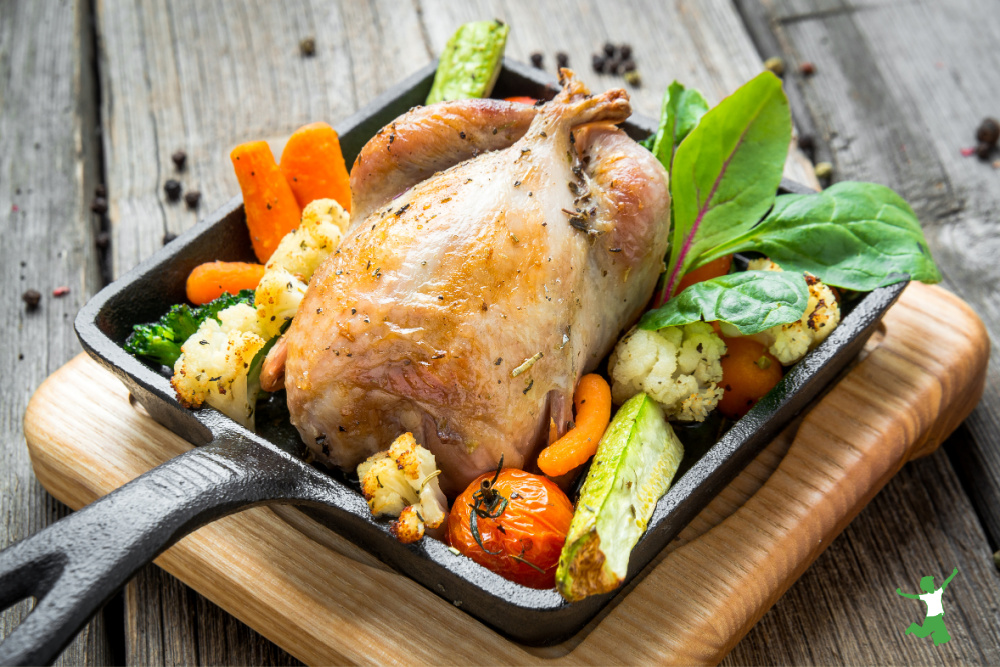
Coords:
161,341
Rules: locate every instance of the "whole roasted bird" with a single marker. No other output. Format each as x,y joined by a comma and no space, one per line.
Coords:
496,253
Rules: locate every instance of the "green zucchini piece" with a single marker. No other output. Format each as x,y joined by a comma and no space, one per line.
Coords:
635,462
471,61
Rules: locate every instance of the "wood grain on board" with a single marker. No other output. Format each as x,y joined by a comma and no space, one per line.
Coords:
727,568
48,170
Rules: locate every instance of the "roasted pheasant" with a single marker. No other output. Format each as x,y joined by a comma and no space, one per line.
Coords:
465,304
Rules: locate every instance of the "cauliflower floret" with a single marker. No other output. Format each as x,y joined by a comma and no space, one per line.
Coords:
298,255
214,363
402,482
679,367
790,342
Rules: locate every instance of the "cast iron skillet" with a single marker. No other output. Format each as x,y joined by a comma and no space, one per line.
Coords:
74,566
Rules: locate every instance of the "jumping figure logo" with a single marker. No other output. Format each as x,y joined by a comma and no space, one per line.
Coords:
933,626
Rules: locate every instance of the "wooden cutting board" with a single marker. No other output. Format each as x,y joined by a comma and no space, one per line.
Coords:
326,601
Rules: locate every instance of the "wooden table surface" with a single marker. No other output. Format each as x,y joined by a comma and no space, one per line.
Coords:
103,92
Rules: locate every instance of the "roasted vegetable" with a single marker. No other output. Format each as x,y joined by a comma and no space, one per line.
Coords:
161,341
402,482
215,364
513,523
678,366
470,63
270,205
634,465
211,280
749,371
593,412
323,225
313,165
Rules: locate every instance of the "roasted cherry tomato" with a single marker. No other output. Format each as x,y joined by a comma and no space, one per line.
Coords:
714,269
748,373
514,523
531,101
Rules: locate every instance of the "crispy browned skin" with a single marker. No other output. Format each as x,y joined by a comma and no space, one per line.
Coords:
418,322
426,140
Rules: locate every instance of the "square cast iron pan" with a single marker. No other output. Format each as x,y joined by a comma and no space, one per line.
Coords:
523,614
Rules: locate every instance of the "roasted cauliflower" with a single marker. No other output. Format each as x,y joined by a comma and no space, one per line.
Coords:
215,362
402,482
679,367
790,342
323,225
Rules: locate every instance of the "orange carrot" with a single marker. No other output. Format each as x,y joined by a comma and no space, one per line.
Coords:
714,269
748,373
593,412
211,280
269,202
314,166
531,101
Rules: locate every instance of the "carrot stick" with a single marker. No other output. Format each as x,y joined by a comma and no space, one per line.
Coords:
593,412
314,166
211,280
269,202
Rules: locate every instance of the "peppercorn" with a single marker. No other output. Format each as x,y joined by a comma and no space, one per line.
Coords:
625,50
807,69
988,132
99,205
307,47
776,65
627,66
599,62
562,60
173,189
983,151
536,60
192,198
103,240
180,158
168,237
633,79
99,191
824,170
609,49
614,65
32,298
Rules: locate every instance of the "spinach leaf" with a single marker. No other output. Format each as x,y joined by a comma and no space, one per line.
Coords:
679,114
726,172
751,301
858,236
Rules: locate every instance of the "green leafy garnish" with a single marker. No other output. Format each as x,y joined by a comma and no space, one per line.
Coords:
726,172
680,112
858,236
751,301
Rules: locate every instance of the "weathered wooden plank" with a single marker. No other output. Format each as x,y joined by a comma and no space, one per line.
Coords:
898,92
48,167
203,77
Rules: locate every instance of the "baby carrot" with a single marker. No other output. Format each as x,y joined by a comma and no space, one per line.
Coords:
314,166
593,412
269,202
211,280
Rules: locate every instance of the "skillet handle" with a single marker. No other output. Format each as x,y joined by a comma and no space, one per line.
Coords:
74,566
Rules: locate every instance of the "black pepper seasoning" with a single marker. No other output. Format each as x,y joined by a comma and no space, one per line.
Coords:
192,199
307,47
180,159
988,132
31,299
99,205
562,60
172,188
536,60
